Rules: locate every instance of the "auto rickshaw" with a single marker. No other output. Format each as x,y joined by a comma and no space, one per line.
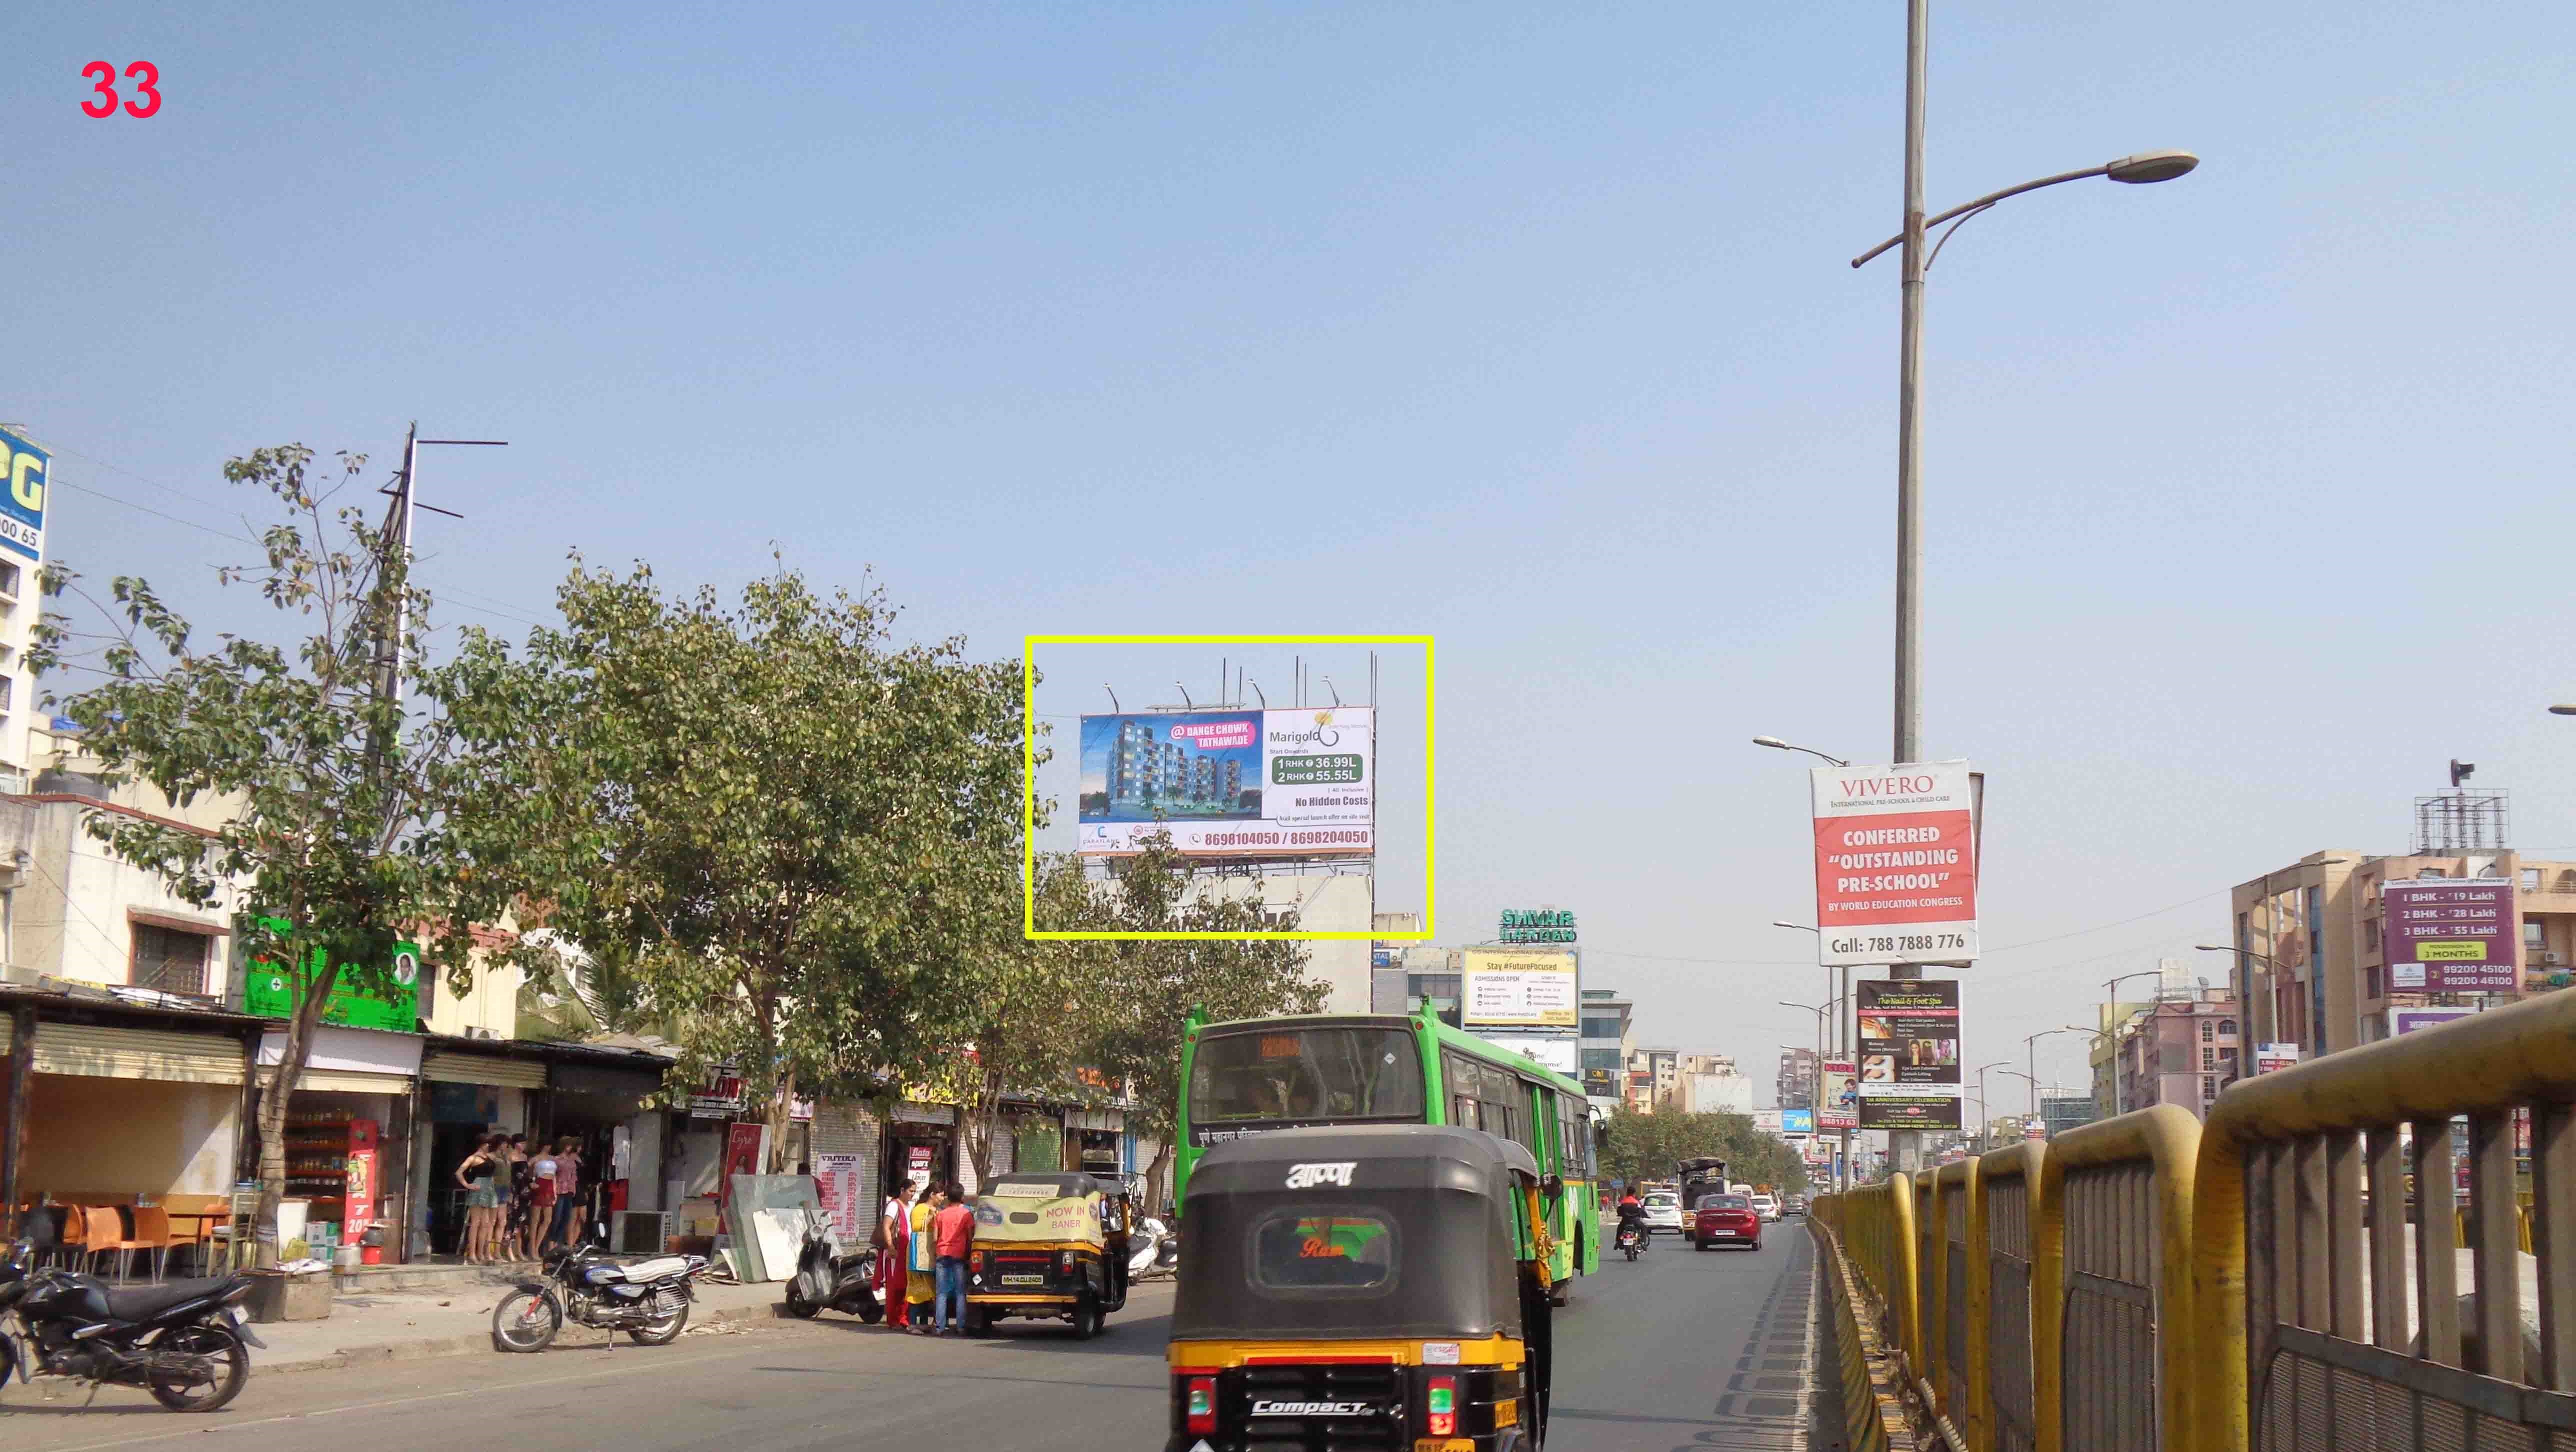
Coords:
1354,1286
1048,1247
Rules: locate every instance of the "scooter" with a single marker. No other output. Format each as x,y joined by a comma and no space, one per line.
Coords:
1154,1251
827,1280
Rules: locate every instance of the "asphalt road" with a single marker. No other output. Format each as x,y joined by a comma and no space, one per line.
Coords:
1682,1350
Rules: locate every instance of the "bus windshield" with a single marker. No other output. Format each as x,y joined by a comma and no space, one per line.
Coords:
1306,1073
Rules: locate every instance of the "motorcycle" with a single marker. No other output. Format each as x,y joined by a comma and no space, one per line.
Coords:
184,1341
647,1299
1632,1239
827,1280
1156,1251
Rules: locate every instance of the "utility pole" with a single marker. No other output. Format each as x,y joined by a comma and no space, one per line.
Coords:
1905,1146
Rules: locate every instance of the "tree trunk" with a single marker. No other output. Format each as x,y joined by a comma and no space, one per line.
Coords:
300,1032
1158,1190
782,1111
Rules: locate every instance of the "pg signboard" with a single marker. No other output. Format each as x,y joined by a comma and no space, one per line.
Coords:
22,505
1896,863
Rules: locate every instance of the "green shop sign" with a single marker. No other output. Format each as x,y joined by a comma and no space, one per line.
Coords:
1537,925
267,993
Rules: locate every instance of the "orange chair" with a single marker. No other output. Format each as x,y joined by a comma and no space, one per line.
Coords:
152,1232
106,1236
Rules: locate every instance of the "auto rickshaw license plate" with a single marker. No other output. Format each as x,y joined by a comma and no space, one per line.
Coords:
1443,1444
1037,1280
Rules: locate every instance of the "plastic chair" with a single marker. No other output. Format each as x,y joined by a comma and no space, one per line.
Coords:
106,1236
152,1232
71,1234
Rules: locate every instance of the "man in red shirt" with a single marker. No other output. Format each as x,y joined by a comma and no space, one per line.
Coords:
952,1235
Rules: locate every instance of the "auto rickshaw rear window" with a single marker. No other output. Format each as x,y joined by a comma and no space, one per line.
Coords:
1343,1250
1316,1073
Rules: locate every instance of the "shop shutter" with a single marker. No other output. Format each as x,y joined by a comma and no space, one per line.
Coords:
352,1081
96,1051
453,1068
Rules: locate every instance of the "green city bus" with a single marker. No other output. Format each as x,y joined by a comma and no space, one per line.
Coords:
1253,1075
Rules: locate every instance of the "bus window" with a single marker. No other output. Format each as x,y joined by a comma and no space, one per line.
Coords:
1306,1073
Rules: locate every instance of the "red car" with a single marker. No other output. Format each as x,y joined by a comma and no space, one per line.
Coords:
1726,1220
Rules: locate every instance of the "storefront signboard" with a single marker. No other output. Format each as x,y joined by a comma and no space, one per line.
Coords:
836,1185
395,1005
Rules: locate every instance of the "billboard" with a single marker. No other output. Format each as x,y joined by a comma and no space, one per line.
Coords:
2273,1058
1517,988
1841,1097
1230,783
1797,1121
2451,935
1909,1052
1560,1052
1896,863
22,506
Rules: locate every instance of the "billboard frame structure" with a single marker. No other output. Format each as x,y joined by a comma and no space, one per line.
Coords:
1029,788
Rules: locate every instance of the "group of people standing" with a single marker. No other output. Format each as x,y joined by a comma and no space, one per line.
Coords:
923,1239
520,1202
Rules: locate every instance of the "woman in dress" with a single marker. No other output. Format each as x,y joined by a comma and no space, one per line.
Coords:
894,1245
477,1174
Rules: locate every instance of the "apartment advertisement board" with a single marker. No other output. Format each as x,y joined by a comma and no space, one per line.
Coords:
1909,1053
1896,863
2451,935
1230,783
22,504
1518,988
1841,1098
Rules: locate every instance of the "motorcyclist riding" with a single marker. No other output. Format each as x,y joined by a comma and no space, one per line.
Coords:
1632,1216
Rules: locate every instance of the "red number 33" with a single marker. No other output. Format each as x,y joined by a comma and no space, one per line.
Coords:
146,78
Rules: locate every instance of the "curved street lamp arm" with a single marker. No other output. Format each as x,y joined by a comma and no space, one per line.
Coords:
1981,203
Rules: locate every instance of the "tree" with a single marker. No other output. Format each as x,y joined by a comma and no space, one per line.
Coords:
1151,986
792,837
1019,1015
343,826
1648,1146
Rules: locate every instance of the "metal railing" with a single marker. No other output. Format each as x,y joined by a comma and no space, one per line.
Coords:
2264,1283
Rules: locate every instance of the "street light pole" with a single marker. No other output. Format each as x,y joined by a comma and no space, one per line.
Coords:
2031,1046
1905,1147
1844,1178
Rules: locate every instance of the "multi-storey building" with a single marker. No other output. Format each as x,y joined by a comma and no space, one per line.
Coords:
2307,942
1609,1028
2182,1051
1795,1085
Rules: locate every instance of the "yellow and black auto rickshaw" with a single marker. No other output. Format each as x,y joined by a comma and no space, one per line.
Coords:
1350,1286
1050,1247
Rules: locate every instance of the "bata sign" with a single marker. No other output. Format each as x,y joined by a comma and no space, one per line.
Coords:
1896,864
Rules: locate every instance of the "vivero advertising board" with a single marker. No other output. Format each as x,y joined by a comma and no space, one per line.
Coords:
1298,783
1896,863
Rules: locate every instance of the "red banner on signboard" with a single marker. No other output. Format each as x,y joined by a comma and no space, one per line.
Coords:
1896,864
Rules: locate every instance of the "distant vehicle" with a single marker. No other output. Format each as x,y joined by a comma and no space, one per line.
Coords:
1794,1205
1725,1219
1766,1206
1663,1211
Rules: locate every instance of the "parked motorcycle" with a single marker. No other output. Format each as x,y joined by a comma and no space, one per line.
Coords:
182,1341
1155,1251
647,1299
828,1280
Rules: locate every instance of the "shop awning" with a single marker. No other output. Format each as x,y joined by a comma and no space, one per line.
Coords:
352,1081
442,1066
607,1079
99,1051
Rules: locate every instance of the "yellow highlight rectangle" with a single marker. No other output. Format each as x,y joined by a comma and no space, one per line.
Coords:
1029,783
2471,950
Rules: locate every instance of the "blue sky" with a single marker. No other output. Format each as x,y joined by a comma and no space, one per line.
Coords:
1527,327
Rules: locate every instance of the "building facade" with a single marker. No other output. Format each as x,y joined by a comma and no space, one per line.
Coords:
2182,1051
1609,1036
2306,939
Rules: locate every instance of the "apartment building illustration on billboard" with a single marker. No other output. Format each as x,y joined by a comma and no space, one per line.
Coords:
1137,768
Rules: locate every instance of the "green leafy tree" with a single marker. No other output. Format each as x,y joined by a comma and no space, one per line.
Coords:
1648,1146
1149,987
341,793
795,839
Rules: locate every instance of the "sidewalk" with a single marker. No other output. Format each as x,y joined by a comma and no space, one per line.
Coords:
400,1325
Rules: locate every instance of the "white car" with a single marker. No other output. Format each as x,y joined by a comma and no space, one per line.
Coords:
1766,1206
1663,1211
